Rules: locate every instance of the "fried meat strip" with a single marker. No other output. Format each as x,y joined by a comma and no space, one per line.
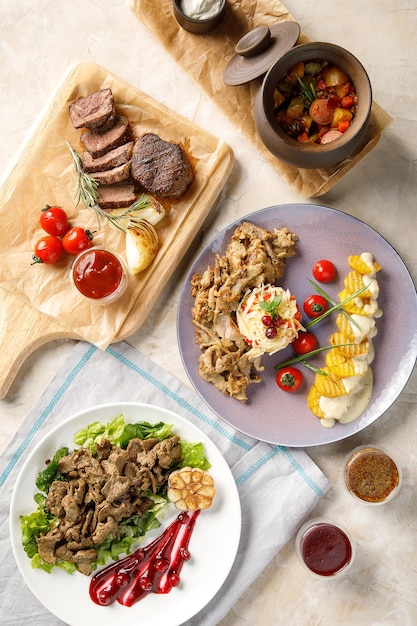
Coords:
254,256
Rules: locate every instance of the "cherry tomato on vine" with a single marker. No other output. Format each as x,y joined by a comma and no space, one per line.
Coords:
324,271
77,239
289,379
54,220
315,305
48,249
305,342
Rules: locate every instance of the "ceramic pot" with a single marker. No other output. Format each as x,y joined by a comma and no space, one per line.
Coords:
313,156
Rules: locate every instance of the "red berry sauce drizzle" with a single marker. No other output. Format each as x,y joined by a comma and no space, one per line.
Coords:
154,568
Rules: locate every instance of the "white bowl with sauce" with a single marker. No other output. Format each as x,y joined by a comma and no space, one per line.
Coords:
99,275
199,16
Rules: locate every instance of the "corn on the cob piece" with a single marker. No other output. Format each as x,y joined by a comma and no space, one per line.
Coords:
329,386
339,364
357,263
354,281
352,306
355,349
313,401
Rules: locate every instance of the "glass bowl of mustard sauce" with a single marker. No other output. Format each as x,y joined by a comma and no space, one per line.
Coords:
371,474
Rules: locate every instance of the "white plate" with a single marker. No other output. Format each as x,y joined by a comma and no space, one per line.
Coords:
324,233
213,544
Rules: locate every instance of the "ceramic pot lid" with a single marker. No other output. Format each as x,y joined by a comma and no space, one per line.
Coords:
258,50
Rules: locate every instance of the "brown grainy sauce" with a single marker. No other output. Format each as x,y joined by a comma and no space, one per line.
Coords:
371,475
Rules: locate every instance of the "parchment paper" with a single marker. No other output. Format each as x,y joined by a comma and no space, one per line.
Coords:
204,57
44,174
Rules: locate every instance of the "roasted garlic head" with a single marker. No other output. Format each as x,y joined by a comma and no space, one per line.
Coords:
191,488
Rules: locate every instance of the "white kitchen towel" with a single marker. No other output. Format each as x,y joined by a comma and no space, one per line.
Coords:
278,486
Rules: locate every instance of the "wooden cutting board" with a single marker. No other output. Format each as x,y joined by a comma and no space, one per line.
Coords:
37,303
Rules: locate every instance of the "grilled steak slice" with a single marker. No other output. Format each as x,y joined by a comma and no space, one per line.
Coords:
111,159
98,143
117,196
161,167
115,175
93,111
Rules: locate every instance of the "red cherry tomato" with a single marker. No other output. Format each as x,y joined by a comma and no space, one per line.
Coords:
305,342
289,379
54,220
47,250
324,271
77,239
315,305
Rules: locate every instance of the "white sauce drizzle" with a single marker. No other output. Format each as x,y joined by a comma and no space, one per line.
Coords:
345,409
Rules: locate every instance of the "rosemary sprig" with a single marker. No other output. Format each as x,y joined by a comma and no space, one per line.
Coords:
307,91
302,357
336,307
87,193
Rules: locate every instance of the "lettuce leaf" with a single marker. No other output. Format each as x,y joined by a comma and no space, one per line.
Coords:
47,476
119,433
193,455
38,522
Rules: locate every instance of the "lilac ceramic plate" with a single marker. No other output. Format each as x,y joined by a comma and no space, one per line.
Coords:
281,418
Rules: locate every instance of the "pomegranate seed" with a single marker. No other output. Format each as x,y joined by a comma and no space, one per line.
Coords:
271,332
267,320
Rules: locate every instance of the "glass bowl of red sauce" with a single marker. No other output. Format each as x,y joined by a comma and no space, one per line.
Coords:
326,549
372,475
99,275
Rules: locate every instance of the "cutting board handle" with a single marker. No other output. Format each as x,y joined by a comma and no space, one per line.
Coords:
23,329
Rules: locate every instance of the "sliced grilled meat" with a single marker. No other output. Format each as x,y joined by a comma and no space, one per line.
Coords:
111,159
117,196
115,175
161,167
98,143
93,111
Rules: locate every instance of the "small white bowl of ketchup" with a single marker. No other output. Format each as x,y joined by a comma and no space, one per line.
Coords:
99,275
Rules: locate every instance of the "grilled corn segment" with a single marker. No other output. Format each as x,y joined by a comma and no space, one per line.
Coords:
313,401
357,263
354,349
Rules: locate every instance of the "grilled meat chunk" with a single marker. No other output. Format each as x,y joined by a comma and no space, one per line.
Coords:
115,175
99,492
94,111
99,143
118,196
161,167
113,158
